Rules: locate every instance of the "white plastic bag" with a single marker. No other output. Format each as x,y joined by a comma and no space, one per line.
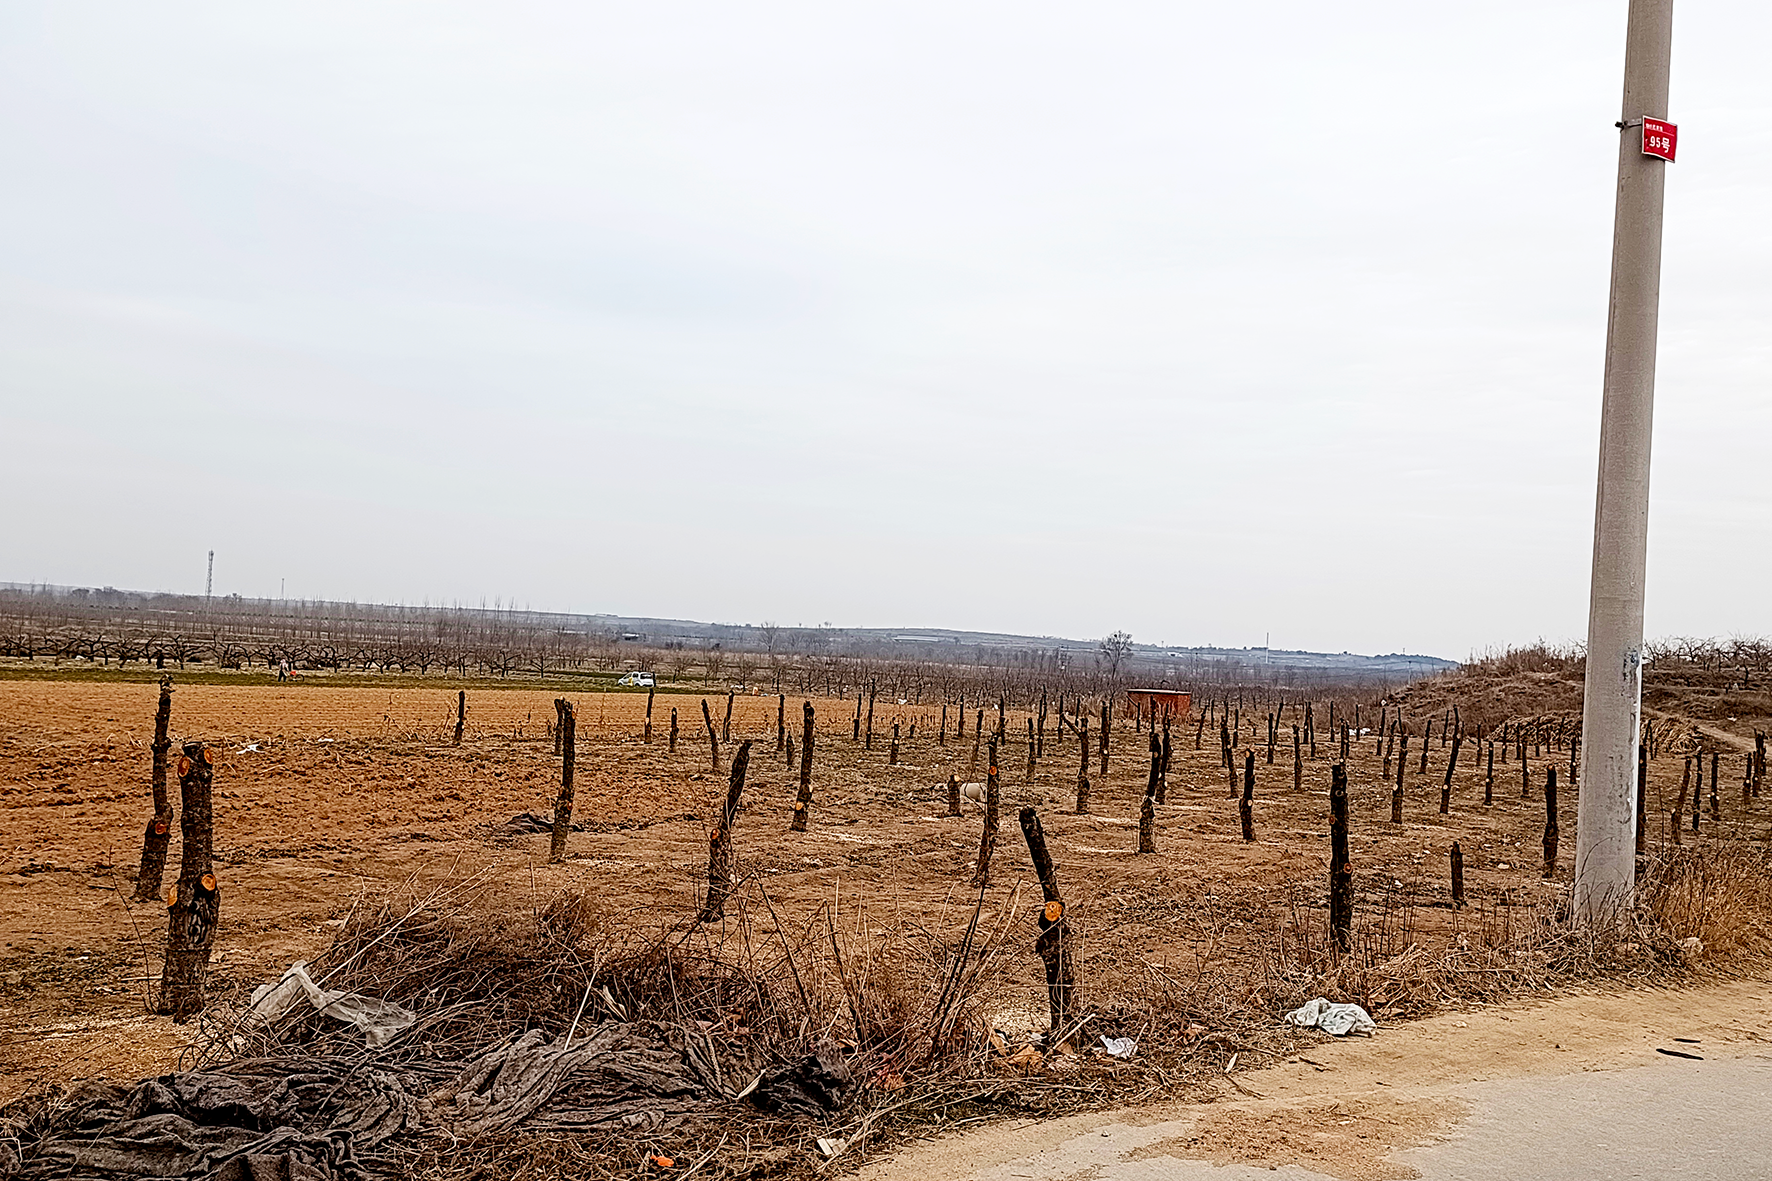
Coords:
1119,1047
378,1020
1331,1018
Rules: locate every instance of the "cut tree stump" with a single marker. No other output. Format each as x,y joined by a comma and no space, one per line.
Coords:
803,805
1107,730
1341,875
194,904
987,841
720,842
159,834
707,718
1550,823
1083,767
1246,808
1053,945
568,761
1147,810
1397,788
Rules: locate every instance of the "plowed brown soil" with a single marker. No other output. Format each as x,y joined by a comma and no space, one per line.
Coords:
329,791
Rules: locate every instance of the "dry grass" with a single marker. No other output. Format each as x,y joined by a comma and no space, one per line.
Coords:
906,1005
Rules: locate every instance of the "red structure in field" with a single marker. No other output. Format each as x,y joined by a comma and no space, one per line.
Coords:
1154,703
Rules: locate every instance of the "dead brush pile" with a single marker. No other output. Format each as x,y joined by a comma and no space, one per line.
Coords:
571,1035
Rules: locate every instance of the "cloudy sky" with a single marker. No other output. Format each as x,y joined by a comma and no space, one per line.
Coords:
1201,321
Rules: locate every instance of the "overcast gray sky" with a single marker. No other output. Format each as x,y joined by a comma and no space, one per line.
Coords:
1202,321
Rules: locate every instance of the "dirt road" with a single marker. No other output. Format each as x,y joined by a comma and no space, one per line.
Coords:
1574,1088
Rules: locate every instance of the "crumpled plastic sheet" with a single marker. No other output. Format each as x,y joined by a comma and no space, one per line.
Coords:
294,1119
378,1020
1120,1047
1332,1018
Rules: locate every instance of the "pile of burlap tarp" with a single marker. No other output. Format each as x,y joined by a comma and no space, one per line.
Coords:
340,1118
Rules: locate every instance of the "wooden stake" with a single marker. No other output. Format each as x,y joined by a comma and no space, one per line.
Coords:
646,735
726,724
461,714
781,720
673,746
1457,876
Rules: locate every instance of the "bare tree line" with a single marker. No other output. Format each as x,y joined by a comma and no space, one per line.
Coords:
108,627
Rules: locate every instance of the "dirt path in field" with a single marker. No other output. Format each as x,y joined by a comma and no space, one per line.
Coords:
1341,1109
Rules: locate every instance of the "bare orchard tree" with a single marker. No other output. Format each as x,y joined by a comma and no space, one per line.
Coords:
713,661
1115,651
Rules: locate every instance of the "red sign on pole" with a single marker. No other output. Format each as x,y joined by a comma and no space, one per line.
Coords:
1660,138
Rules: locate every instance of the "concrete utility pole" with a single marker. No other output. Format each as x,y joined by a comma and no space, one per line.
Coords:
1605,835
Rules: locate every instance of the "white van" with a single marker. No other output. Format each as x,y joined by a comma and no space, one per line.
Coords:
644,680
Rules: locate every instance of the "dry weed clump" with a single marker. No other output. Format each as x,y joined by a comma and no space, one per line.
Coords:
1719,892
1700,909
893,1013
